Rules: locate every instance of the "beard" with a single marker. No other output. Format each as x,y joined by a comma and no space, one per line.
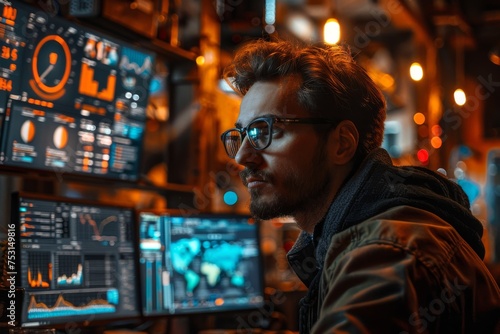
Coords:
300,190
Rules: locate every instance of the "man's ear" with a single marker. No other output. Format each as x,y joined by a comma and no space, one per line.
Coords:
345,140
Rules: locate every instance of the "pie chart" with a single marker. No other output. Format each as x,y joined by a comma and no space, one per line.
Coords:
60,137
27,131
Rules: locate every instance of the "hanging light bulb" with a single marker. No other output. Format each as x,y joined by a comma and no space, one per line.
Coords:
416,72
459,96
331,31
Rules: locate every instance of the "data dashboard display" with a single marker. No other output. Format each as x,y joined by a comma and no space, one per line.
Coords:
199,264
71,100
76,261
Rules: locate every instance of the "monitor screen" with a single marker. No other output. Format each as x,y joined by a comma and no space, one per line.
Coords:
71,100
76,261
199,264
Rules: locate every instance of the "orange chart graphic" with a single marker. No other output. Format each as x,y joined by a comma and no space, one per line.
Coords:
54,90
61,303
27,131
60,137
37,281
97,228
90,87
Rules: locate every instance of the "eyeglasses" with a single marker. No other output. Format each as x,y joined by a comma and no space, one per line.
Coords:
260,132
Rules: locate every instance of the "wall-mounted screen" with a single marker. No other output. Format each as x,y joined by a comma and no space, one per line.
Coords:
71,100
199,264
76,261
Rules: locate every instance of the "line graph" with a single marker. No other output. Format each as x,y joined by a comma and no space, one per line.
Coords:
98,227
128,65
130,62
59,305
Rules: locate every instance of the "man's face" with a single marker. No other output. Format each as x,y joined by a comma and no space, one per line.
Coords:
291,175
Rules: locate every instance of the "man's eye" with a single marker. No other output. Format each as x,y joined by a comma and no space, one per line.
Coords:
277,129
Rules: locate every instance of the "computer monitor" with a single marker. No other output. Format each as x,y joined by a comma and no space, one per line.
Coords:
72,100
76,261
199,263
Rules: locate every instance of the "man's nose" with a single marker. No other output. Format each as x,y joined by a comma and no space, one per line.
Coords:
247,155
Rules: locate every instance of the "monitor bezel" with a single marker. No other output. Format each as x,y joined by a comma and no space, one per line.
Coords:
82,321
197,214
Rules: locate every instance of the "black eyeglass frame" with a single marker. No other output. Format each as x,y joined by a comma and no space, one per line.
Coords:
270,120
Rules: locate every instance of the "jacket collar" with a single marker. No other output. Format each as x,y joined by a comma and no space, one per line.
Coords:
375,187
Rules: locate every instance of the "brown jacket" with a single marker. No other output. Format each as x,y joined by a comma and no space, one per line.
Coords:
405,271
398,251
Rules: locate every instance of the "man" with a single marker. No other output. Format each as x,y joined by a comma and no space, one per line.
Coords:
383,249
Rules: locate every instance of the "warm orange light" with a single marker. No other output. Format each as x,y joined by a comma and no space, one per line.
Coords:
387,81
460,97
495,57
200,60
436,142
419,118
437,130
416,72
331,31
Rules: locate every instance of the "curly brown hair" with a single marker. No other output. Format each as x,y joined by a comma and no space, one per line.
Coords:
332,83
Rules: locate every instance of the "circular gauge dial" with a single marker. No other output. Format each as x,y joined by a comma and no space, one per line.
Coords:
51,64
